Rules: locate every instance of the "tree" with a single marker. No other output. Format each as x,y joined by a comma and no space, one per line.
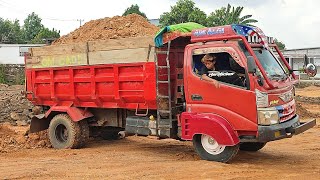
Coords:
32,26
35,32
45,33
134,8
229,15
183,11
280,44
10,32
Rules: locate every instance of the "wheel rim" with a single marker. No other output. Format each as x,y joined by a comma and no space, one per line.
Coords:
211,145
61,133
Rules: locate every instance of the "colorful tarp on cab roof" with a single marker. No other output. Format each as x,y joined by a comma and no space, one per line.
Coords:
182,28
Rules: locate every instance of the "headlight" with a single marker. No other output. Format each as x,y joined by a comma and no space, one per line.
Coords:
261,99
268,116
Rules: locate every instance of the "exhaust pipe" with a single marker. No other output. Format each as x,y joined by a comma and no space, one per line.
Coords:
122,134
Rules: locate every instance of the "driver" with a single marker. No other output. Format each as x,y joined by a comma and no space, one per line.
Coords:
209,62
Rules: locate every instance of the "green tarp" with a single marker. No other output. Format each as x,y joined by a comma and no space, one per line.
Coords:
183,27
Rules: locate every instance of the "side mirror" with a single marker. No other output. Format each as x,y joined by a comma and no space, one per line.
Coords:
311,70
252,67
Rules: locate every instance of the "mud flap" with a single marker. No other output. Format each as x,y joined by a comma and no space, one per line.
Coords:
39,123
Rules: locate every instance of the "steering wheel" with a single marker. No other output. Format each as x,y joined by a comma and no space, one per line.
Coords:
234,79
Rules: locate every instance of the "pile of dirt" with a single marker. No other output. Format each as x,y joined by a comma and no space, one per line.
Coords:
314,100
13,138
306,84
304,113
132,25
14,107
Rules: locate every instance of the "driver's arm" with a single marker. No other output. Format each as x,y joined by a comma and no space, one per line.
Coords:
206,78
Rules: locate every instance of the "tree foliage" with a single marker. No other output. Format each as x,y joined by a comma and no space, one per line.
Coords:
134,8
32,26
183,11
10,32
33,31
280,44
45,33
229,15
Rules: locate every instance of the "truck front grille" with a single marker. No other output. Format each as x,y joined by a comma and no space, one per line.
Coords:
287,111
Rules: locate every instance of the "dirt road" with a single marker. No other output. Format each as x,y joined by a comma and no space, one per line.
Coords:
146,158
149,158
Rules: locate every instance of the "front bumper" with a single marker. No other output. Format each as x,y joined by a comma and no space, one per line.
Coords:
283,130
279,131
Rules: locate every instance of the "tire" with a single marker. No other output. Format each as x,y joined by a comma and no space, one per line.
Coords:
252,146
85,132
208,149
64,133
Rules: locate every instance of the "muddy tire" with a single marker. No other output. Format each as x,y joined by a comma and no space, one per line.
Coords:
251,146
209,149
85,132
64,133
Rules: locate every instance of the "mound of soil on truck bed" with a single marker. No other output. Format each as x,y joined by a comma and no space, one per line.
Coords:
132,25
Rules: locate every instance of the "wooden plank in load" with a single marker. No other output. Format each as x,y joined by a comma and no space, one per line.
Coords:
59,49
121,56
123,43
56,60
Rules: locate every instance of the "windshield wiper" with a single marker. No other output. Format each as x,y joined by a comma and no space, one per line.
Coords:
278,77
284,77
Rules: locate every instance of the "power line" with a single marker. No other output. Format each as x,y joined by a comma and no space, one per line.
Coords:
20,11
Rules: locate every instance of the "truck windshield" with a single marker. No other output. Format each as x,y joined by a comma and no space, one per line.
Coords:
270,64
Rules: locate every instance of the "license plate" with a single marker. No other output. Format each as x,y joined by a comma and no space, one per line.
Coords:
277,134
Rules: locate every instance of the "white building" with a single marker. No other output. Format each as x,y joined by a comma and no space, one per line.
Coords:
155,22
296,58
14,53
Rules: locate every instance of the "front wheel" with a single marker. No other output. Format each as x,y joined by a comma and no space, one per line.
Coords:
251,146
209,149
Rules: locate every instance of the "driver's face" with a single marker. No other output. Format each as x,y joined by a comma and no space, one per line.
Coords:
209,64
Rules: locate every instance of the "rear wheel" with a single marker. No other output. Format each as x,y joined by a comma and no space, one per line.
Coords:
64,133
251,146
209,149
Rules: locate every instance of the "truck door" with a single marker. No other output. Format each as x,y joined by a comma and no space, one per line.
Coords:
234,100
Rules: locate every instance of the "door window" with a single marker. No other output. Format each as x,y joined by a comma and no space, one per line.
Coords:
226,69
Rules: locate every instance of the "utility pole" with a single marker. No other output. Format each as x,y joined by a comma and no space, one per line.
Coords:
81,20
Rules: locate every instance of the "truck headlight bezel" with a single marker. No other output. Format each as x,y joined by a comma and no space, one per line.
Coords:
268,116
262,99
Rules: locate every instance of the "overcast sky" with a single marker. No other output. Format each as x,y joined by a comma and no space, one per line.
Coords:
294,22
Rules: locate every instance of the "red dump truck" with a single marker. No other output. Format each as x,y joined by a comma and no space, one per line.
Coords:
129,85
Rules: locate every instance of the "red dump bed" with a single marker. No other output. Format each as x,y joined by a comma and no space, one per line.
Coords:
130,86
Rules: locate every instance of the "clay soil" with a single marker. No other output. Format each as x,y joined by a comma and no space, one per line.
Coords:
132,25
27,156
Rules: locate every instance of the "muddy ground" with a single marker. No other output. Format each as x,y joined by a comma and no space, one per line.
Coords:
26,156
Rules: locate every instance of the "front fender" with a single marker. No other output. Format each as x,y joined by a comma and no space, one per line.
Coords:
209,124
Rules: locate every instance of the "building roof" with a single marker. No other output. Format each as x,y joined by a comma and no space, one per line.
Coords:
21,45
302,49
155,22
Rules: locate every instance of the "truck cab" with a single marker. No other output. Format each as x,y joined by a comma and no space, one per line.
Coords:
254,103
